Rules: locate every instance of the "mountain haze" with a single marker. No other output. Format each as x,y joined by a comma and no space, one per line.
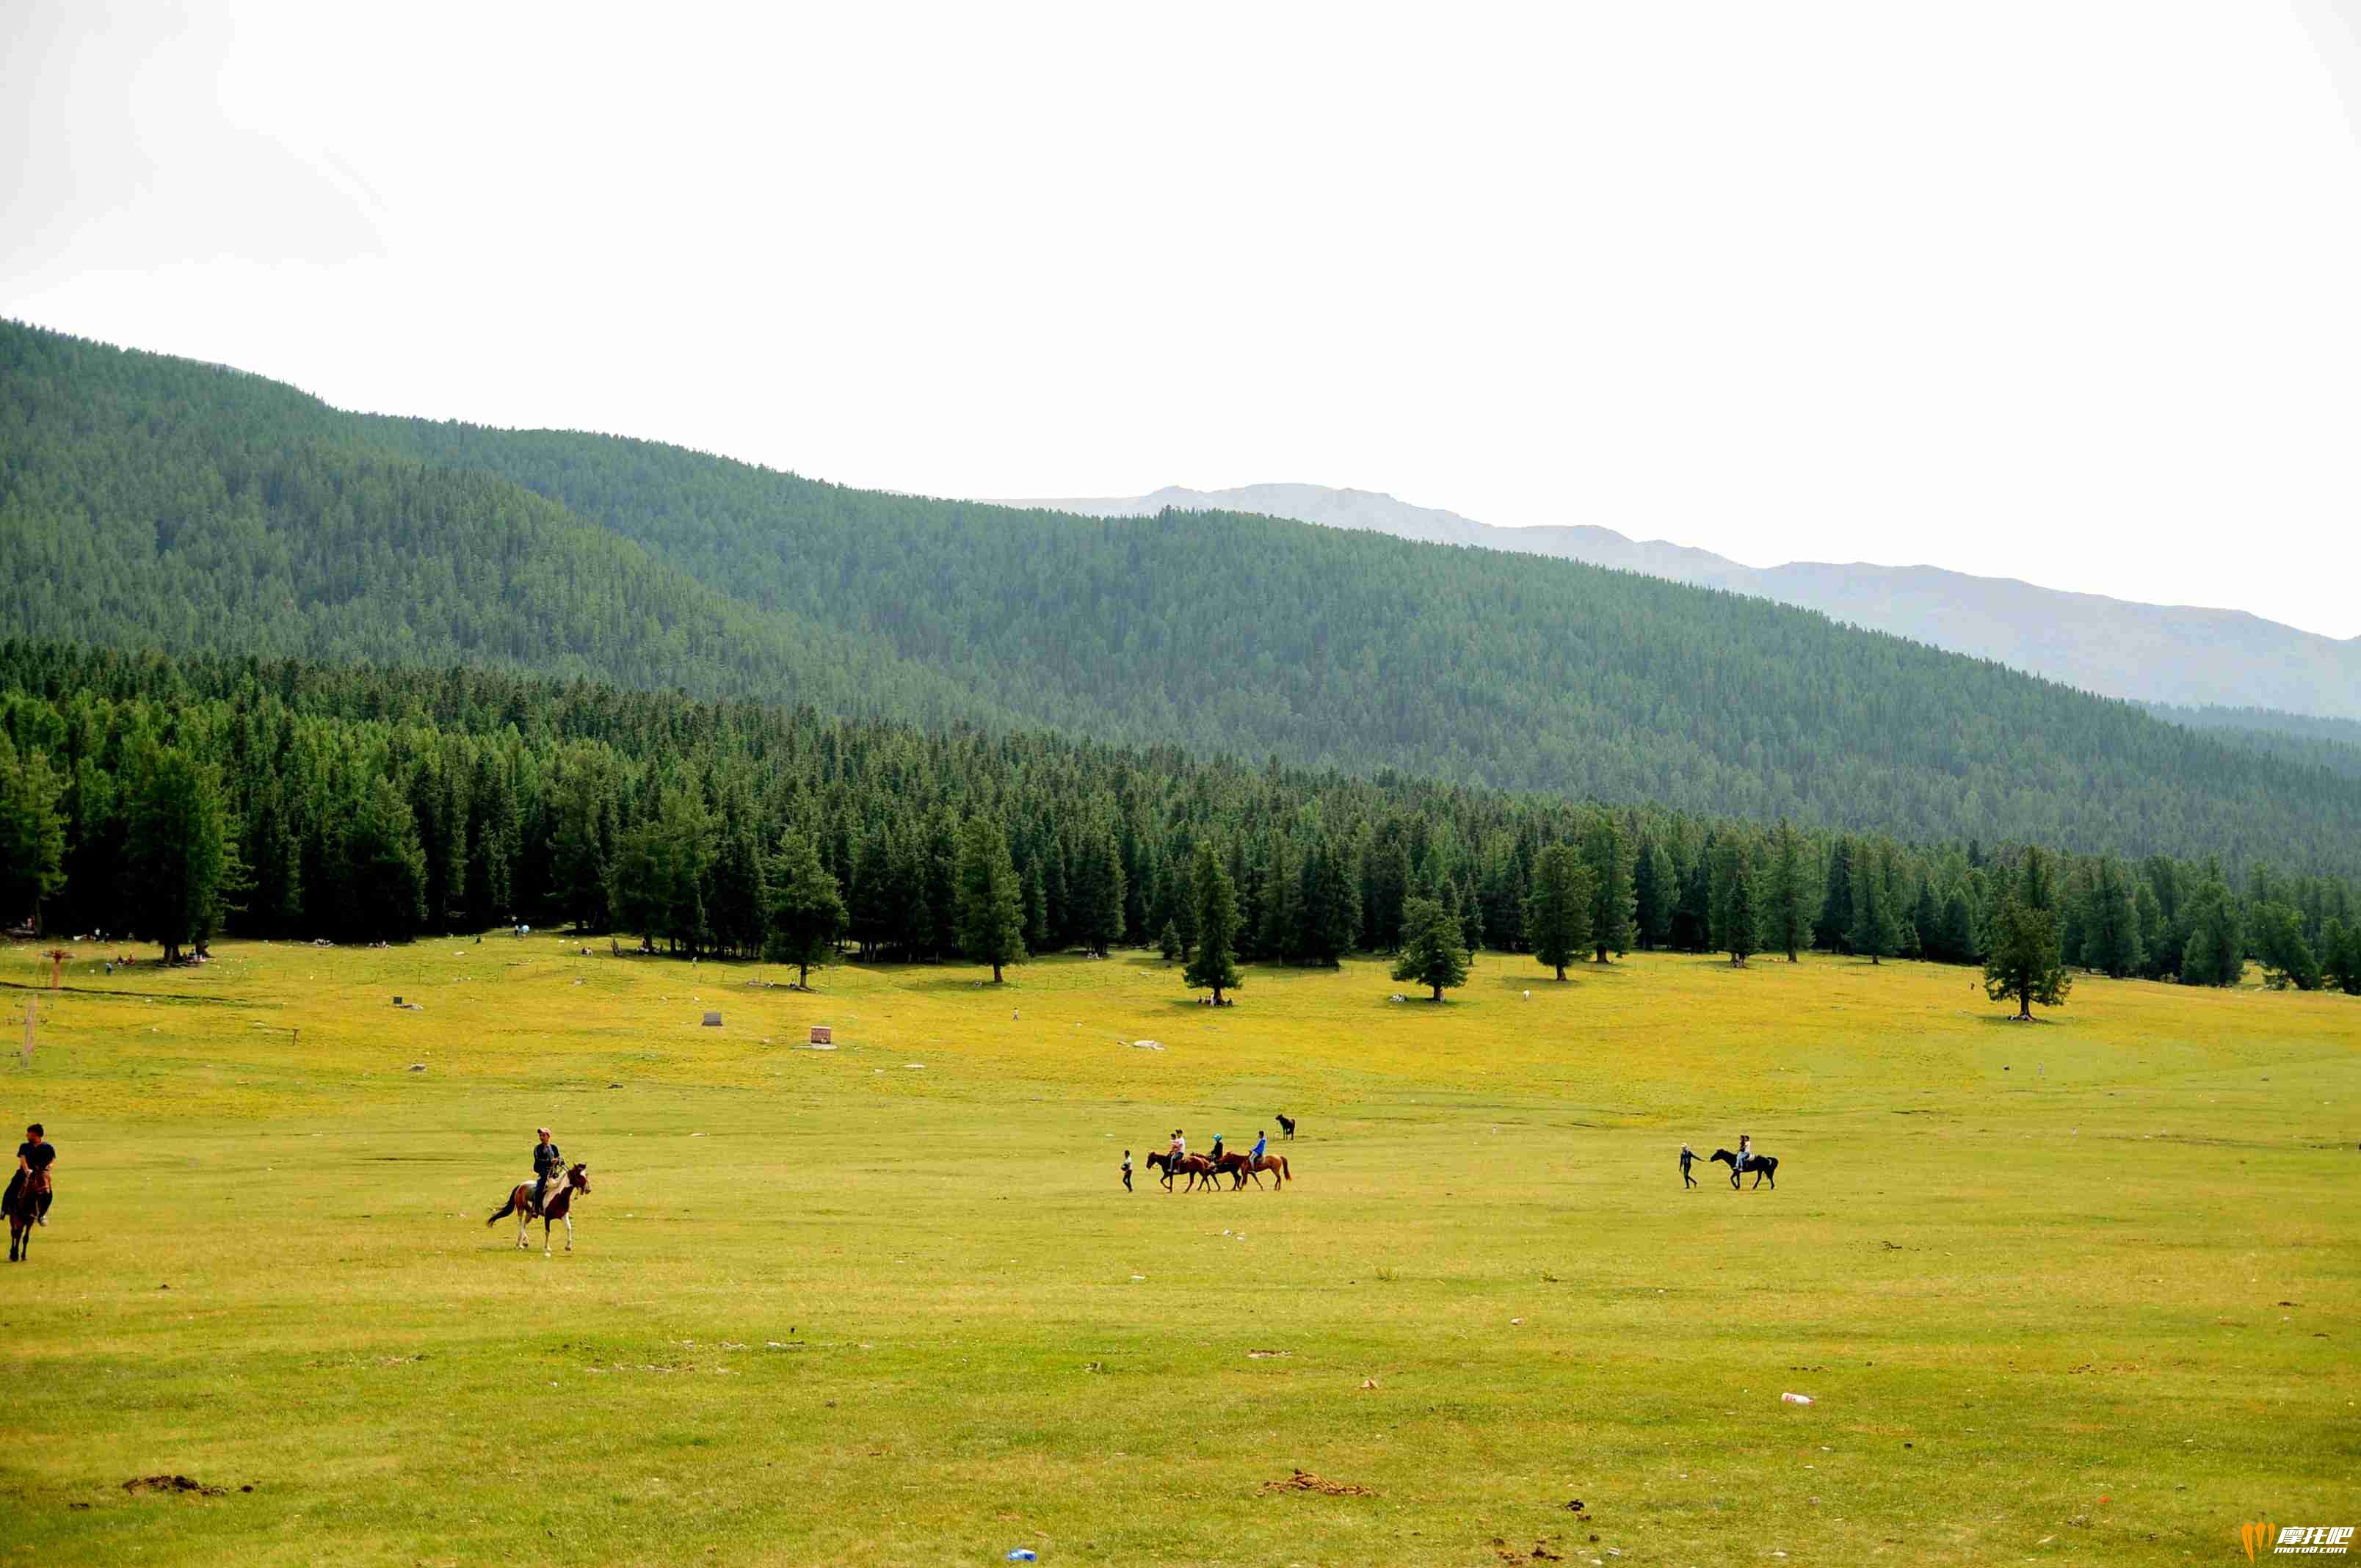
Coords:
2157,654
151,503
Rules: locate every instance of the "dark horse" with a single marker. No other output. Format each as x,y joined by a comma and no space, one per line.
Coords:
1761,1165
24,1207
1195,1166
1286,1125
558,1205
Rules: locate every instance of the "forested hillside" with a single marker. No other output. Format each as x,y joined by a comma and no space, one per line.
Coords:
177,799
152,502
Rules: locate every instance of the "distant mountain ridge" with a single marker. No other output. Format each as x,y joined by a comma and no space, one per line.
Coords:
2182,655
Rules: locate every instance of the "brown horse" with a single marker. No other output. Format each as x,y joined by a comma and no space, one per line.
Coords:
1274,1163
1234,1166
24,1207
558,1205
1195,1166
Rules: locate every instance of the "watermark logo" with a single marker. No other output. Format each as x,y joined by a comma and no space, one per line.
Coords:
2262,1539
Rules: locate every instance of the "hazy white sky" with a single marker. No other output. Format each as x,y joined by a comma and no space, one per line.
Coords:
2062,289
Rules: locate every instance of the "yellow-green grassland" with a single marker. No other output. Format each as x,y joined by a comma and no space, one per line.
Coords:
2080,1290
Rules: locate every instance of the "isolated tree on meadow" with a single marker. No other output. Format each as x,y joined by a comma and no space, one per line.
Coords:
1216,967
1557,911
806,909
990,907
2022,962
1434,947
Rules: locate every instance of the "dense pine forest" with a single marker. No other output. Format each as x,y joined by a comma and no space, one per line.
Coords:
149,502
178,799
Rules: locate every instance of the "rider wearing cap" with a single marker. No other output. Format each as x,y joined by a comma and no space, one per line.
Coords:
34,1158
546,1163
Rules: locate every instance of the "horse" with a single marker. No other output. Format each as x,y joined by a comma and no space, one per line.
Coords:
1234,1166
558,1205
1287,1126
1761,1165
23,1208
1196,1167
1274,1163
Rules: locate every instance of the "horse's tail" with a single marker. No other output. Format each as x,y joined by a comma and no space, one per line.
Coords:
1285,1174
503,1211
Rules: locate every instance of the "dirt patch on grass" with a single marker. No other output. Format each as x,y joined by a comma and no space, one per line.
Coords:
139,1484
1304,1481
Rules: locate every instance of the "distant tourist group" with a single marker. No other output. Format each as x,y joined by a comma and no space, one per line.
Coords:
1205,1170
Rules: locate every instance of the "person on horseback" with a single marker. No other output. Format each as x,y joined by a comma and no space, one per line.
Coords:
547,1163
1217,1154
34,1158
1745,1152
1262,1142
1174,1156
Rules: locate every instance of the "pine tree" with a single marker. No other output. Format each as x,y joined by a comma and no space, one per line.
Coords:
182,855
1330,905
2342,943
2214,951
384,875
1216,967
2024,965
1832,932
2111,926
1557,911
1036,910
1738,913
990,910
1609,854
807,908
1098,889
739,912
2287,959
1787,919
1656,891
1168,942
1433,949
32,833
1874,929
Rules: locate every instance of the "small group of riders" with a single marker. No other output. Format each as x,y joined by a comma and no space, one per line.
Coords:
1178,1153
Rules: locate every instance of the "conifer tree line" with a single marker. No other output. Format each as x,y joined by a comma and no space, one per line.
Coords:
179,800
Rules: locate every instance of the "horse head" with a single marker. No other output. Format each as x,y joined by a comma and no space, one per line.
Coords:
579,1178
1724,1156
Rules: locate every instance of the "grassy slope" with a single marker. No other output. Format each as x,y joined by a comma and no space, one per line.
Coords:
2014,1293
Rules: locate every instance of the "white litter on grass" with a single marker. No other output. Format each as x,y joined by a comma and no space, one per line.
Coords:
1795,1398
1147,1045
914,1066
1139,1277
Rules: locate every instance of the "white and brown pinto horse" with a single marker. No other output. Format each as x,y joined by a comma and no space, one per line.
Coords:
558,1205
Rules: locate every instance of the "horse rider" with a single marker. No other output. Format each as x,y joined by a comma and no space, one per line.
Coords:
1174,1156
1217,1154
34,1158
1262,1142
546,1163
1745,1152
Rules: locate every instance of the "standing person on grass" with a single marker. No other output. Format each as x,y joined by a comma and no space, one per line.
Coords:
1688,1156
1126,1170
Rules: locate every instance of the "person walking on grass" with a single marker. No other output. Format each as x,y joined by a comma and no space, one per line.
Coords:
34,1158
546,1163
1126,1170
1688,1156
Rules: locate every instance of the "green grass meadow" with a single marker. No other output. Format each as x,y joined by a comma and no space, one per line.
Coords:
2083,1291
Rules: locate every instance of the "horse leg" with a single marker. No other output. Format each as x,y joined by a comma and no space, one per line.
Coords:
524,1229
569,1230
